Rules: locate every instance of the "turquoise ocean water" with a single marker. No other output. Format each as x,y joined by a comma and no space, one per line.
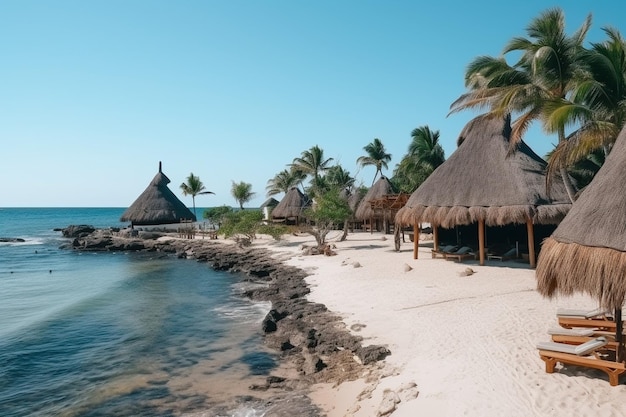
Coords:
120,334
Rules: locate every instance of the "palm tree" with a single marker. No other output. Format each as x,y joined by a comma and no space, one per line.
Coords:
242,192
312,162
550,65
424,155
194,187
339,178
284,181
376,155
597,104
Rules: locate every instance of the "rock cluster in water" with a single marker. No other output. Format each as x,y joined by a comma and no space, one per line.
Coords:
312,339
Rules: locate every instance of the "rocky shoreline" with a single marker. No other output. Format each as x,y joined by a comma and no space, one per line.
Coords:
312,341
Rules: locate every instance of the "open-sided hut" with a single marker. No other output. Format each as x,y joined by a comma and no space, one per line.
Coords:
292,206
587,251
366,213
484,182
157,205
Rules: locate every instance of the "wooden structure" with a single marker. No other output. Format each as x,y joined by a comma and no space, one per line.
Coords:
157,205
488,183
386,208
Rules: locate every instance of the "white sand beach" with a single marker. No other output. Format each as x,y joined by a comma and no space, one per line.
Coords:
460,345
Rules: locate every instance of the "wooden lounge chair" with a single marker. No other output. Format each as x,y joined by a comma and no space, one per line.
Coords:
443,251
598,319
580,336
589,354
510,254
463,253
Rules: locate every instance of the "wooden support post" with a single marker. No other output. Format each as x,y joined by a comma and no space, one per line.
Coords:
531,243
435,236
416,239
481,241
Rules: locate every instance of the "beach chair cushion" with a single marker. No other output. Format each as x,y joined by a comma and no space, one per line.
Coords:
462,251
570,312
571,332
579,350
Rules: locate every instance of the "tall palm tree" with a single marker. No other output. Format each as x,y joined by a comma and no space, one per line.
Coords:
339,178
550,65
242,192
597,104
312,162
284,181
194,187
376,155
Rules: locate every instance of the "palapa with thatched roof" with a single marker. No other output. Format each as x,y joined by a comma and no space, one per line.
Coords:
486,182
267,207
157,205
587,251
292,205
365,212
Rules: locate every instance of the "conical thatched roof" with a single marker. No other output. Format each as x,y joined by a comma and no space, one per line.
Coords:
587,252
270,202
380,188
482,180
157,205
292,204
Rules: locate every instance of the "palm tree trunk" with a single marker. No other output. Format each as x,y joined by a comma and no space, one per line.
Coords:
344,236
567,181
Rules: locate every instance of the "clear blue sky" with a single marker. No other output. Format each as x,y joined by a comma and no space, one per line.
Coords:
95,93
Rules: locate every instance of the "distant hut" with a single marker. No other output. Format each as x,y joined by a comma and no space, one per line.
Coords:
365,212
484,182
587,251
157,205
291,207
267,207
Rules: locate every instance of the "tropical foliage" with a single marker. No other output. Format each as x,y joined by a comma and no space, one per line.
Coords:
576,93
376,155
215,215
194,187
330,211
284,181
312,163
242,192
424,155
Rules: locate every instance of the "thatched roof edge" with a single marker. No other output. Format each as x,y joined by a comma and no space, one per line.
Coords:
567,268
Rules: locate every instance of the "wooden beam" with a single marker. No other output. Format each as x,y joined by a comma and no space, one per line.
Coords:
481,241
435,236
531,243
416,239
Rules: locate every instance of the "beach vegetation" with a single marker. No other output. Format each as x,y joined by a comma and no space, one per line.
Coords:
376,155
330,211
242,192
215,215
244,225
194,187
424,155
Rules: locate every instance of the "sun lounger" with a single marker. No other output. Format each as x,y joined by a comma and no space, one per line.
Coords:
464,252
597,318
580,336
510,254
443,251
588,354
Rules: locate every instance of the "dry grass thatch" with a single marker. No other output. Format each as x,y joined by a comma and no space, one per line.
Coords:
587,251
157,205
380,188
482,179
292,204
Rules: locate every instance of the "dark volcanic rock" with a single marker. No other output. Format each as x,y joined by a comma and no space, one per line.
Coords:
11,240
81,230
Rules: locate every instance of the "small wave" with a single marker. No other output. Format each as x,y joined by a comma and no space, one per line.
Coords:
26,242
255,311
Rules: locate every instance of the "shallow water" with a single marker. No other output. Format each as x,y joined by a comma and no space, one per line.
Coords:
101,334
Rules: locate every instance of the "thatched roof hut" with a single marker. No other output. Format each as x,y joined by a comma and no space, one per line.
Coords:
157,205
292,205
587,251
484,182
380,188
